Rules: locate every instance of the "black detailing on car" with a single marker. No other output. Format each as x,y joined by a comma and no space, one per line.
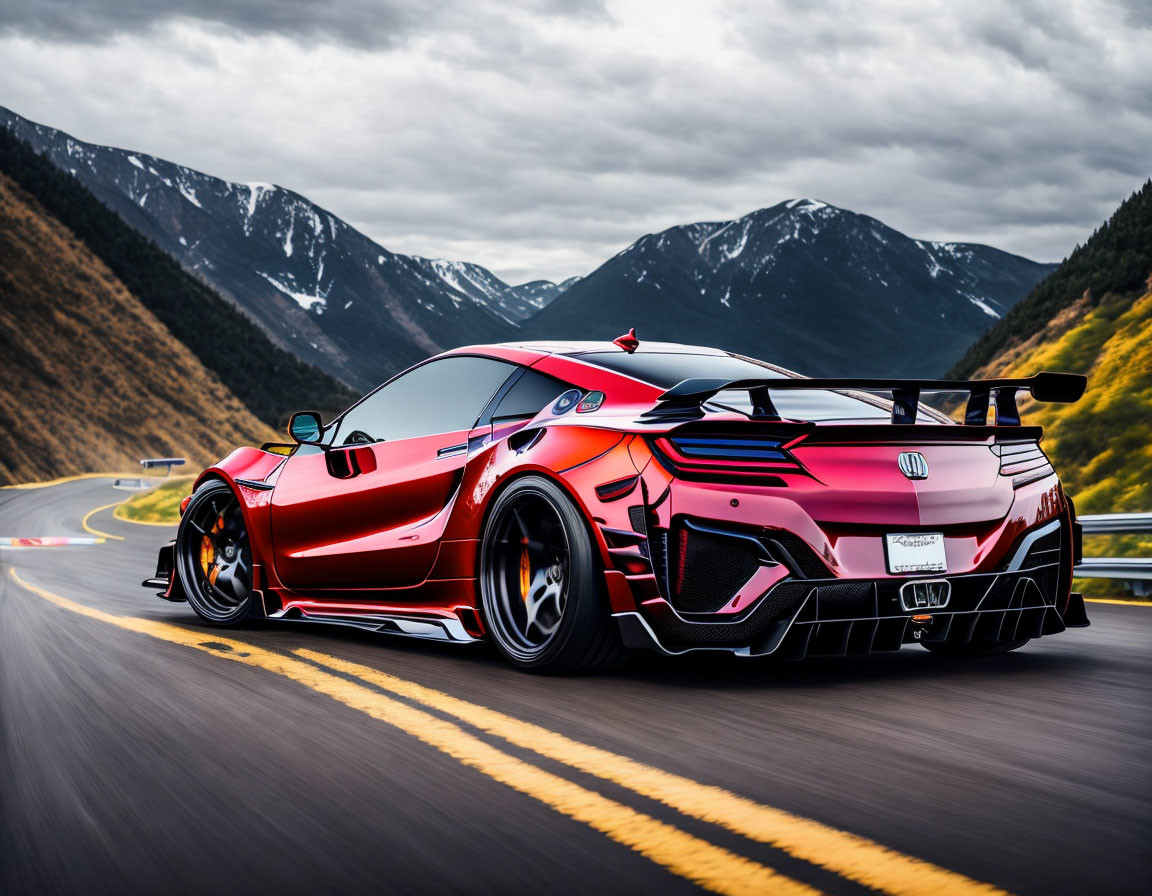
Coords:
814,614
524,439
706,568
687,398
700,567
620,488
256,484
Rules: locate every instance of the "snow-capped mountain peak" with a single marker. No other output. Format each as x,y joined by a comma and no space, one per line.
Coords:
804,283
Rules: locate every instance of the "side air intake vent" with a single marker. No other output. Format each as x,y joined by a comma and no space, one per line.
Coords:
795,553
706,569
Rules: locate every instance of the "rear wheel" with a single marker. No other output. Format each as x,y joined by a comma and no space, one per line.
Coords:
213,555
541,589
978,648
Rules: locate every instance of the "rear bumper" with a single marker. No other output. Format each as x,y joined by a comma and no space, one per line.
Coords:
800,617
816,620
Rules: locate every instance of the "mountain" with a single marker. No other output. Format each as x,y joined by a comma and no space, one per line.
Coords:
1093,316
268,380
320,288
92,379
803,284
513,303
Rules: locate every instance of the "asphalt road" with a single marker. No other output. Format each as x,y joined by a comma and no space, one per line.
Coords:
142,752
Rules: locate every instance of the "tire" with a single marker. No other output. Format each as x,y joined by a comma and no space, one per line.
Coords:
214,556
984,648
541,588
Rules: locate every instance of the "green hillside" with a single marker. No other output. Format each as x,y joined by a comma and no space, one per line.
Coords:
1102,445
268,380
1093,315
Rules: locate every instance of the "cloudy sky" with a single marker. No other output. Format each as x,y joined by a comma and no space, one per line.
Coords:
538,137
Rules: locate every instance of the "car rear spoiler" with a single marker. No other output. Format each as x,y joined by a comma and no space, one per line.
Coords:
687,397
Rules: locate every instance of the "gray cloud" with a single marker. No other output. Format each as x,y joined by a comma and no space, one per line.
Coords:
539,138
357,23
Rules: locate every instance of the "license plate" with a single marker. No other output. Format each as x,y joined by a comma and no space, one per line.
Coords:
916,552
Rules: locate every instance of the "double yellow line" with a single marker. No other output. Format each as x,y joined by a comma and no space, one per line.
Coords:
713,867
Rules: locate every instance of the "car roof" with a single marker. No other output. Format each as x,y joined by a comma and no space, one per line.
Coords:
563,359
580,347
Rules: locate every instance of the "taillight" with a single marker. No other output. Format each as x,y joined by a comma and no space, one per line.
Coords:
728,457
1023,461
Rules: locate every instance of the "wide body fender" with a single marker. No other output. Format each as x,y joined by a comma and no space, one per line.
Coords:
577,458
251,473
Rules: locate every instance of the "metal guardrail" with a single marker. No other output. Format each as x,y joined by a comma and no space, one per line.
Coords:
167,462
1129,568
1136,571
1116,523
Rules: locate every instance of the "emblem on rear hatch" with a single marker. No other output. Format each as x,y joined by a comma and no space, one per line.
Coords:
913,465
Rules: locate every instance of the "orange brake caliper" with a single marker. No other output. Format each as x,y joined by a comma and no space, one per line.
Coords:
525,575
208,553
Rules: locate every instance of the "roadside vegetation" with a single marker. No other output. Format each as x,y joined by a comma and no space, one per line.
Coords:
1092,315
1102,445
160,505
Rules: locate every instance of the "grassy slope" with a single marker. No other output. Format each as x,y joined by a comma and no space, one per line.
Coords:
1093,315
160,505
1102,445
92,380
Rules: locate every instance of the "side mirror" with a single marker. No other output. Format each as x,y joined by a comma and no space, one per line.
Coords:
305,427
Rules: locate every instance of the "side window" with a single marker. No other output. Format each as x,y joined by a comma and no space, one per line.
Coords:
441,396
531,394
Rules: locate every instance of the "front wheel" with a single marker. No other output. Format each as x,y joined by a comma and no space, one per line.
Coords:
541,589
214,556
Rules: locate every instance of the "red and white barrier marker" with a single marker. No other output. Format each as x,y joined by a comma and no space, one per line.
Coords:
51,541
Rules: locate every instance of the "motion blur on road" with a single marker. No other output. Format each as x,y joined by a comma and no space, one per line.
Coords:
143,752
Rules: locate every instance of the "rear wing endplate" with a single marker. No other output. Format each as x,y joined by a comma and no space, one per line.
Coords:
687,397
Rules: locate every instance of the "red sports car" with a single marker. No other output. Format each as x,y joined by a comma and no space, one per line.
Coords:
574,501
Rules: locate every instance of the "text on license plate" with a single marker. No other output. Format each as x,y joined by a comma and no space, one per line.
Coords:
916,552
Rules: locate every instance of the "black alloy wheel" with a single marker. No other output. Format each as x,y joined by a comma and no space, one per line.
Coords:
214,556
542,592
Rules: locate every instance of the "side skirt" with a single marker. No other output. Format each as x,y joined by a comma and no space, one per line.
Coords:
428,628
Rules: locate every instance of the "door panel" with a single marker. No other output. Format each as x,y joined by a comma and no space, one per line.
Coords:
378,529
368,510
